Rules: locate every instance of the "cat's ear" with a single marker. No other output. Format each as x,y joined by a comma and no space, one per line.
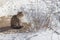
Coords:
19,13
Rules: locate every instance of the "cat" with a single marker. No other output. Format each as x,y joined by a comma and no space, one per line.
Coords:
15,21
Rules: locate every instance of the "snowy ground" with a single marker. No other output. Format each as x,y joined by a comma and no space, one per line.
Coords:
43,8
44,35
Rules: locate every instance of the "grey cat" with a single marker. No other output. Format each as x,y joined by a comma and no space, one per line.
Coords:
15,22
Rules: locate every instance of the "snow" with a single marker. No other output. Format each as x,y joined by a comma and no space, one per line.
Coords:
44,35
35,9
